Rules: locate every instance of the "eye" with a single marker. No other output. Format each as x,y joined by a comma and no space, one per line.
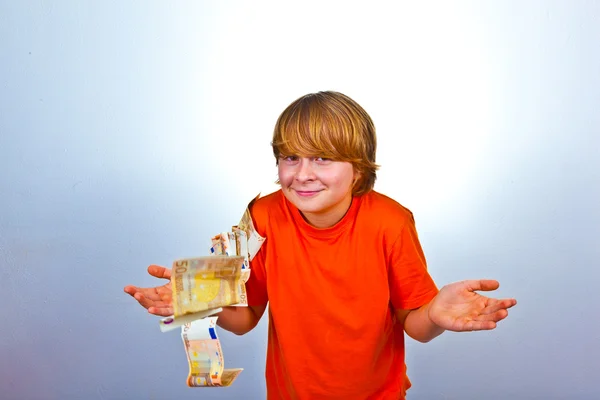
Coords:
322,160
290,159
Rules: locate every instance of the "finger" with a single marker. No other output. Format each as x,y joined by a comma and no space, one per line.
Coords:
482,284
143,300
474,325
496,316
159,272
496,305
479,325
145,292
161,311
152,294
166,297
148,293
131,290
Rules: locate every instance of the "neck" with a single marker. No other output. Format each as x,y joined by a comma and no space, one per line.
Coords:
330,217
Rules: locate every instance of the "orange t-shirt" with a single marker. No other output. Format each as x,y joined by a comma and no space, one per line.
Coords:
332,294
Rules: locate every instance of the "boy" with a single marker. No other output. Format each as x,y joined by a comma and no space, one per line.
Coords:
341,268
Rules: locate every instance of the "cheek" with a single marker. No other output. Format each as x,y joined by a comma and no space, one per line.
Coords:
285,176
340,179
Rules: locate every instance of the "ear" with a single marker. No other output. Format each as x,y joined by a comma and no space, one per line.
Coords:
357,178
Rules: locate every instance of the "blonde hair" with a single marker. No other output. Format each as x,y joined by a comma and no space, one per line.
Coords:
330,125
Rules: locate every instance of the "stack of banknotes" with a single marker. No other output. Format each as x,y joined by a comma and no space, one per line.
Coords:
201,286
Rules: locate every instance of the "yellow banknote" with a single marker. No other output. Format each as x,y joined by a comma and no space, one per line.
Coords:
234,244
204,354
205,283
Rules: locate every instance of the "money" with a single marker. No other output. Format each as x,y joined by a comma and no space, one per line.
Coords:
170,323
255,241
204,283
204,354
241,241
234,244
200,287
223,244
231,244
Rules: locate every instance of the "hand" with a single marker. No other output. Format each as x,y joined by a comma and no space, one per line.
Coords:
458,308
157,300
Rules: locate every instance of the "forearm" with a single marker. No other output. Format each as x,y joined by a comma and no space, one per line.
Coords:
238,320
420,327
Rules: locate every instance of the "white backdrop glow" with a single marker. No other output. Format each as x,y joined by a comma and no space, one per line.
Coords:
130,132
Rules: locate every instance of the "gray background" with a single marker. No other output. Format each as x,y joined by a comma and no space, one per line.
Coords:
132,131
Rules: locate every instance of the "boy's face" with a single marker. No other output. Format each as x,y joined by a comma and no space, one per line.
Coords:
320,188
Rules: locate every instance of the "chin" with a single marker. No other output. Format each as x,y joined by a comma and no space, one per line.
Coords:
304,204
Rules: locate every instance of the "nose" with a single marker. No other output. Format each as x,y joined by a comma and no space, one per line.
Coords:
305,171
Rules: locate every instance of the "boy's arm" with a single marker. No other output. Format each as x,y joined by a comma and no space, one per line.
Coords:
457,307
240,320
418,325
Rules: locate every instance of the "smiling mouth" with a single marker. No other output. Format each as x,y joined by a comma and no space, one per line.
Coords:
306,193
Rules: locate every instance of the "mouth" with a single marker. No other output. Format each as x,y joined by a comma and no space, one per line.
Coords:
306,193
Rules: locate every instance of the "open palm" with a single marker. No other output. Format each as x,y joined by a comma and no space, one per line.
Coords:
157,300
458,308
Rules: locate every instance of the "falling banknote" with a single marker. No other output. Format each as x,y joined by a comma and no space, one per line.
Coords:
202,285
246,225
204,355
233,244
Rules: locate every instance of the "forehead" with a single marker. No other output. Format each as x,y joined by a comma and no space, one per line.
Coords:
305,142
309,139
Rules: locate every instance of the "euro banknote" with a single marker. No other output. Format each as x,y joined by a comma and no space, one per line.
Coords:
246,224
233,243
202,285
204,354
169,323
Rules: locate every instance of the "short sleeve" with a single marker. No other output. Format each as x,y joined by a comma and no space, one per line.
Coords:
256,287
410,284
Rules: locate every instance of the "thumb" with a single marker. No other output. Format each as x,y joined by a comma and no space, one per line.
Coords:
482,284
159,272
